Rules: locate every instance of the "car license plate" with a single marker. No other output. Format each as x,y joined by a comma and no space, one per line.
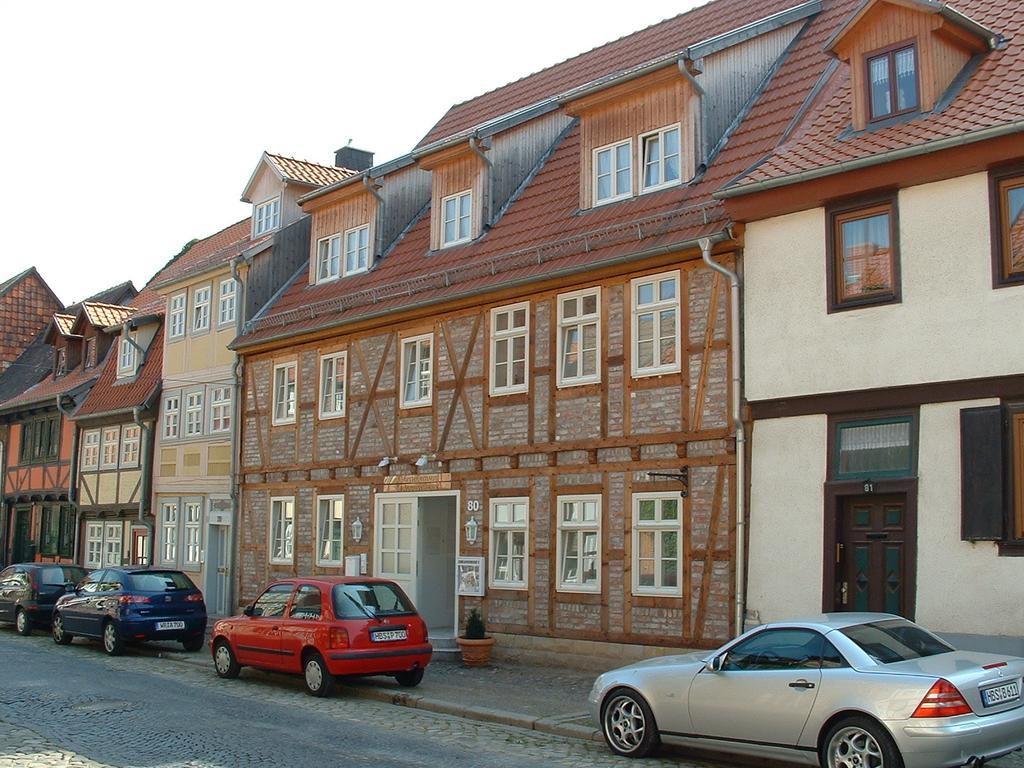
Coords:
389,635
1000,694
160,625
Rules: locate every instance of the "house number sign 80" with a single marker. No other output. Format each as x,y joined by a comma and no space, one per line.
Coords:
472,505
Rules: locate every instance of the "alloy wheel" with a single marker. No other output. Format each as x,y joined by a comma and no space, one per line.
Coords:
21,623
854,747
624,723
222,659
314,675
109,637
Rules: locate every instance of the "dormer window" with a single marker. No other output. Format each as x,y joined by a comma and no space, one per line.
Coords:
357,249
328,258
457,223
126,358
661,158
90,353
266,216
61,364
613,172
892,81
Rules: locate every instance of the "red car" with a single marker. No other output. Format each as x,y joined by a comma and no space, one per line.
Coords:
326,626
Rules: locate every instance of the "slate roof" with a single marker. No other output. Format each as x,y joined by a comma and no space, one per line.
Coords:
306,172
992,97
75,384
211,252
28,368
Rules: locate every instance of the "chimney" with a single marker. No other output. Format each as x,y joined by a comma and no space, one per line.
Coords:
353,159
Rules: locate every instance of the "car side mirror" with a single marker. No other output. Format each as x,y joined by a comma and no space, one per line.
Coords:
252,610
717,664
69,587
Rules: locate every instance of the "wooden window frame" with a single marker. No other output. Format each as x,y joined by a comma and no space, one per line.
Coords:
655,307
322,393
91,449
582,527
579,321
104,443
508,528
999,181
836,423
510,334
131,442
90,353
852,210
642,160
357,231
198,406
658,526
319,540
220,408
890,52
271,541
616,195
204,304
428,399
171,416
176,315
1015,480
189,563
261,225
277,420
127,355
324,248
169,528
227,299
445,243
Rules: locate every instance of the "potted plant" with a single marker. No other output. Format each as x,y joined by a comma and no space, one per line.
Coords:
474,642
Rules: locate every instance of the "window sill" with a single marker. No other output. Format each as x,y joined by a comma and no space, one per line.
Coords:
873,301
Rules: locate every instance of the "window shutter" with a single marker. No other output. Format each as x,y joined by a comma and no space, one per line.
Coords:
982,515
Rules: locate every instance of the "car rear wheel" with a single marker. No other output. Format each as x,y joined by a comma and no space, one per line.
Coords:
113,643
411,678
628,724
319,682
22,623
224,661
193,644
859,742
60,636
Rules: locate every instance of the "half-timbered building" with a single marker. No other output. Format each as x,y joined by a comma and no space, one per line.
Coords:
505,378
884,302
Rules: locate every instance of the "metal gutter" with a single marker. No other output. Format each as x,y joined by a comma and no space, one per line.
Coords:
1007,129
238,376
474,145
146,481
72,472
741,436
683,245
754,29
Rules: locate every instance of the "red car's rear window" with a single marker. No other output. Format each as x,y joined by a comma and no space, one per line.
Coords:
361,601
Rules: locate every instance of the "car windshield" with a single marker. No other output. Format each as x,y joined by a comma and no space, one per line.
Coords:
895,640
359,601
159,581
58,576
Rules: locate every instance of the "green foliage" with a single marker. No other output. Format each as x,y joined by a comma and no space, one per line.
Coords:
475,629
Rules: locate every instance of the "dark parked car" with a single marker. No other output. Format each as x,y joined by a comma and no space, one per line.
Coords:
128,604
323,626
28,592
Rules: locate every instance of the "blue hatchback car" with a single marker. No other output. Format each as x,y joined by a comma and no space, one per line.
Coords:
128,604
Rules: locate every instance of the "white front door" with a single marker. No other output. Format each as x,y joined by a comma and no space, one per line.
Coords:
396,542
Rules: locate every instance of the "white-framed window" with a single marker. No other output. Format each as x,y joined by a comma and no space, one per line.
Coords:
126,356
108,451
201,309
169,532
579,332
176,316
220,409
266,216
192,554
130,438
113,551
655,326
284,393
91,449
657,544
661,158
510,348
193,414
61,364
282,529
90,353
93,544
613,172
330,530
226,304
357,250
172,404
510,537
579,543
416,367
456,218
333,369
328,258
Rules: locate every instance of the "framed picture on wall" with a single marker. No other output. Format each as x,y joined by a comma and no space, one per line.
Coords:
469,576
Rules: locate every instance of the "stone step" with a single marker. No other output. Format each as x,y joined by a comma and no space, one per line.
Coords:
445,648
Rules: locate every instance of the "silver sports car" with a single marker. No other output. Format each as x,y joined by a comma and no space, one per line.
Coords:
845,690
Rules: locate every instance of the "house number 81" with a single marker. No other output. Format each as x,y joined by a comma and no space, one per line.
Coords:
473,506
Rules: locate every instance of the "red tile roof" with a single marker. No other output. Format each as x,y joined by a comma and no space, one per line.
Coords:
108,395
105,315
669,36
992,97
306,172
211,252
64,323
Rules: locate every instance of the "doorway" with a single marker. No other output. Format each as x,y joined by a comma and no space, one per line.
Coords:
416,546
874,555
218,569
21,541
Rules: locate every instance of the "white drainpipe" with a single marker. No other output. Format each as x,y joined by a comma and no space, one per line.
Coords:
741,437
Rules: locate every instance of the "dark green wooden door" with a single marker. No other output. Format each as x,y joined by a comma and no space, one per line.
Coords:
872,554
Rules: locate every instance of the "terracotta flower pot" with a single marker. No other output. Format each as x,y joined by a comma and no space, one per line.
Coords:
475,653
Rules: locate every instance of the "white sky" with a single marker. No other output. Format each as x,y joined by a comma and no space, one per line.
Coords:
131,127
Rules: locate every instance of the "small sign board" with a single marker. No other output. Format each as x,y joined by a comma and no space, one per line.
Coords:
469,576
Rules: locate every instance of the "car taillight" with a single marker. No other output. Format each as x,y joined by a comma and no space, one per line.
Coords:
129,599
339,637
195,597
943,700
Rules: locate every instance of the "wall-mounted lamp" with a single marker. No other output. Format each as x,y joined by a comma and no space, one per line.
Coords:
384,462
357,530
421,462
472,528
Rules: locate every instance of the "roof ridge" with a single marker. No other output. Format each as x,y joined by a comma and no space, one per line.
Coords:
308,162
